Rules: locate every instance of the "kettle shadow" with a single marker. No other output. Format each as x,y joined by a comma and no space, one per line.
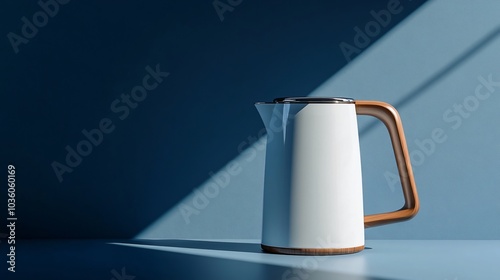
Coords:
169,259
211,245
243,259
201,244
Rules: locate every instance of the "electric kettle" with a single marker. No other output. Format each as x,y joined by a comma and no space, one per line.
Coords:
313,199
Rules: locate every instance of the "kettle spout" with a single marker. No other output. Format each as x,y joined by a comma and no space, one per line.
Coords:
276,116
266,111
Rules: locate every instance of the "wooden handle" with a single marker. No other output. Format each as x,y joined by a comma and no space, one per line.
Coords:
390,117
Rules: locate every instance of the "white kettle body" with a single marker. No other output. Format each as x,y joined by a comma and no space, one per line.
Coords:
313,198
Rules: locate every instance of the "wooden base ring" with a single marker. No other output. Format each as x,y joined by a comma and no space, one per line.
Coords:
311,251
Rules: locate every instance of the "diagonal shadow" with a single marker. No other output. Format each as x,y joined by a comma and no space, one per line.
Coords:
438,76
96,259
201,244
205,244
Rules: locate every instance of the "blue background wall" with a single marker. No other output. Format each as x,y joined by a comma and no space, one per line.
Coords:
144,173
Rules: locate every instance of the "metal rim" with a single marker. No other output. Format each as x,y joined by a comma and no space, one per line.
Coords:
327,100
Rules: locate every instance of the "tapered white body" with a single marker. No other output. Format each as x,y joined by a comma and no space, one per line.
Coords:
313,185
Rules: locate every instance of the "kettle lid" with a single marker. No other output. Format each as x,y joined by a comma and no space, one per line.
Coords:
335,100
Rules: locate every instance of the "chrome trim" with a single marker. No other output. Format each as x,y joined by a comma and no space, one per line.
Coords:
329,100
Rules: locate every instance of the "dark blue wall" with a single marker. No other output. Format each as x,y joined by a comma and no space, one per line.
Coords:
65,79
